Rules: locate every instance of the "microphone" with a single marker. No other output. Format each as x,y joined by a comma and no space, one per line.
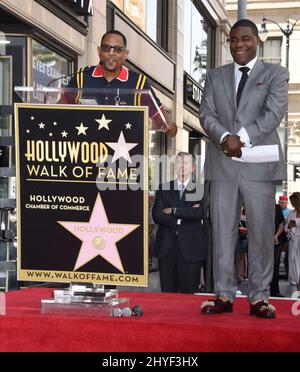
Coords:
128,312
64,77
116,312
69,75
63,98
137,311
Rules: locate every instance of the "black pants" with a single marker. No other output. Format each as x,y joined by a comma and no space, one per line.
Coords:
176,274
274,288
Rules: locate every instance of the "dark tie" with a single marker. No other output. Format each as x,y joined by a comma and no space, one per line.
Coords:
244,71
181,190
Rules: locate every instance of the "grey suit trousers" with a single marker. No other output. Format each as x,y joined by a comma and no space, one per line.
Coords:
226,198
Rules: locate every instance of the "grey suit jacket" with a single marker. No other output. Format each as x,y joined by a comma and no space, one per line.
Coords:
263,105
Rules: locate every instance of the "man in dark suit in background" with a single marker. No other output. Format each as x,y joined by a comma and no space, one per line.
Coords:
180,243
279,239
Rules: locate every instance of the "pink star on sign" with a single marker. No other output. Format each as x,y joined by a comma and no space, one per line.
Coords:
99,237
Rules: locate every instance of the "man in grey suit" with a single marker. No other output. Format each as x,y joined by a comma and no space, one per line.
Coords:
243,104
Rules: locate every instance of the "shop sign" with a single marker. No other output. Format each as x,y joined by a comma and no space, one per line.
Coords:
193,92
82,7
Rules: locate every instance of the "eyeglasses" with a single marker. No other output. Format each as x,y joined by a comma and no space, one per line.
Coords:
117,49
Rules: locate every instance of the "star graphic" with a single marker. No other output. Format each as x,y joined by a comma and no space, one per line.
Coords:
103,122
82,129
128,126
32,118
50,134
64,134
42,125
55,123
27,131
121,148
99,237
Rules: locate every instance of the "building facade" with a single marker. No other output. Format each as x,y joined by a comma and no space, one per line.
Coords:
42,42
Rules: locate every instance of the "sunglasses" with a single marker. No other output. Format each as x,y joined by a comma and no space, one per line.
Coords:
117,49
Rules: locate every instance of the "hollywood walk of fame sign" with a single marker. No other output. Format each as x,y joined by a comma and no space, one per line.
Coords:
82,194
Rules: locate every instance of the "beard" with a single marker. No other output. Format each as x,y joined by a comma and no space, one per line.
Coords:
111,67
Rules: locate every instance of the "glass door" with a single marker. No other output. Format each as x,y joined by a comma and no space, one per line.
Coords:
7,177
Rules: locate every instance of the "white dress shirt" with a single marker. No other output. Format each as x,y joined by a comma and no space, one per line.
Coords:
238,75
180,184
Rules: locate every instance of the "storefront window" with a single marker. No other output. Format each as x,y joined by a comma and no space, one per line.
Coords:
48,69
144,13
12,73
195,42
47,66
270,50
5,95
16,47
